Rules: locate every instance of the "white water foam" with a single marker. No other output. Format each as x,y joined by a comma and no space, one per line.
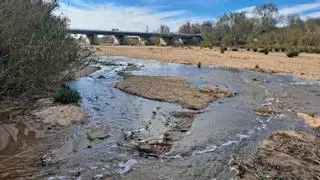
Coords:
127,166
208,149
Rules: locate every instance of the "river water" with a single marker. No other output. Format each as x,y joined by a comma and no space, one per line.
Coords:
228,127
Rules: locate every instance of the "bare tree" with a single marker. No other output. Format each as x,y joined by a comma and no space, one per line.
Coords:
164,29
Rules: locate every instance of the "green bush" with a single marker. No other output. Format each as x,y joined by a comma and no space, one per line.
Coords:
276,49
248,49
223,49
255,49
283,49
199,64
235,49
67,96
292,54
36,48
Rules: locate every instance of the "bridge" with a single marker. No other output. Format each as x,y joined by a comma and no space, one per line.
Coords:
144,37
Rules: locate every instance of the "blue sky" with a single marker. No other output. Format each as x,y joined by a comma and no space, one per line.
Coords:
136,15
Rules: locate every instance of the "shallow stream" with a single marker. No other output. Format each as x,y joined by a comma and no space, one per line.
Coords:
228,127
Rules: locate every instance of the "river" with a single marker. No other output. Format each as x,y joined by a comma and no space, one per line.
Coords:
226,128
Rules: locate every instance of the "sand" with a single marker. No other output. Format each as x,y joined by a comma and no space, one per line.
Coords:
313,122
305,65
62,115
171,89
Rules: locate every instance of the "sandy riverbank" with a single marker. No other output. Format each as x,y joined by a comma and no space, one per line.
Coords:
305,65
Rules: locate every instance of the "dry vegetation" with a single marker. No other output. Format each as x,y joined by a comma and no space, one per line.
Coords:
284,155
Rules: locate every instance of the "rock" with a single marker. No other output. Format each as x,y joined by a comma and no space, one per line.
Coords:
85,71
45,102
313,122
8,132
128,134
82,142
4,116
100,132
127,166
101,77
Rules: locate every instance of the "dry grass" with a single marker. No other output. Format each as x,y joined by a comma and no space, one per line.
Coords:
284,155
305,65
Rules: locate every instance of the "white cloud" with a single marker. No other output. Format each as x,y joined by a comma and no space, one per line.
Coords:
126,18
311,15
300,8
292,9
248,10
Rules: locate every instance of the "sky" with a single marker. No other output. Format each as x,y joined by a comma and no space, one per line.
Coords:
143,15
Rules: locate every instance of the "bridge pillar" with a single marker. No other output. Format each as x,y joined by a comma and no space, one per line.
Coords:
166,41
118,40
93,39
177,41
186,40
144,41
195,40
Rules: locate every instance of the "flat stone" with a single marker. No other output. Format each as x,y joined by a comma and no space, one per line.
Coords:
100,132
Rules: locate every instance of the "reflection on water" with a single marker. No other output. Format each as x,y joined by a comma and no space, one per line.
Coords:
227,127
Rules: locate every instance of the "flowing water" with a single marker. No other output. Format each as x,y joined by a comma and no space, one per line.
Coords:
228,127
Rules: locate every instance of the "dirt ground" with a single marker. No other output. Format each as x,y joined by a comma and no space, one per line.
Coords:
305,65
285,155
171,89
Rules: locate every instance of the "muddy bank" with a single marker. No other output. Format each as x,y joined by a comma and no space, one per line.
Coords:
284,155
171,89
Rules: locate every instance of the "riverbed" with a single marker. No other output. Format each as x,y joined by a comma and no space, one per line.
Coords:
228,127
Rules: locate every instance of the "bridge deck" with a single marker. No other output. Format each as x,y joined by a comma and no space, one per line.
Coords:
127,33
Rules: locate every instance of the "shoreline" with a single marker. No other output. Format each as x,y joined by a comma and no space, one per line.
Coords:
304,66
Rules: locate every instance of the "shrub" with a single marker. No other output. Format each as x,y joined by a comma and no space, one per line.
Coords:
248,49
199,64
283,49
67,96
223,49
35,47
292,54
276,49
265,51
235,49
255,49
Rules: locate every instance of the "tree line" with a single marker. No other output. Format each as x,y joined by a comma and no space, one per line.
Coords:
265,28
